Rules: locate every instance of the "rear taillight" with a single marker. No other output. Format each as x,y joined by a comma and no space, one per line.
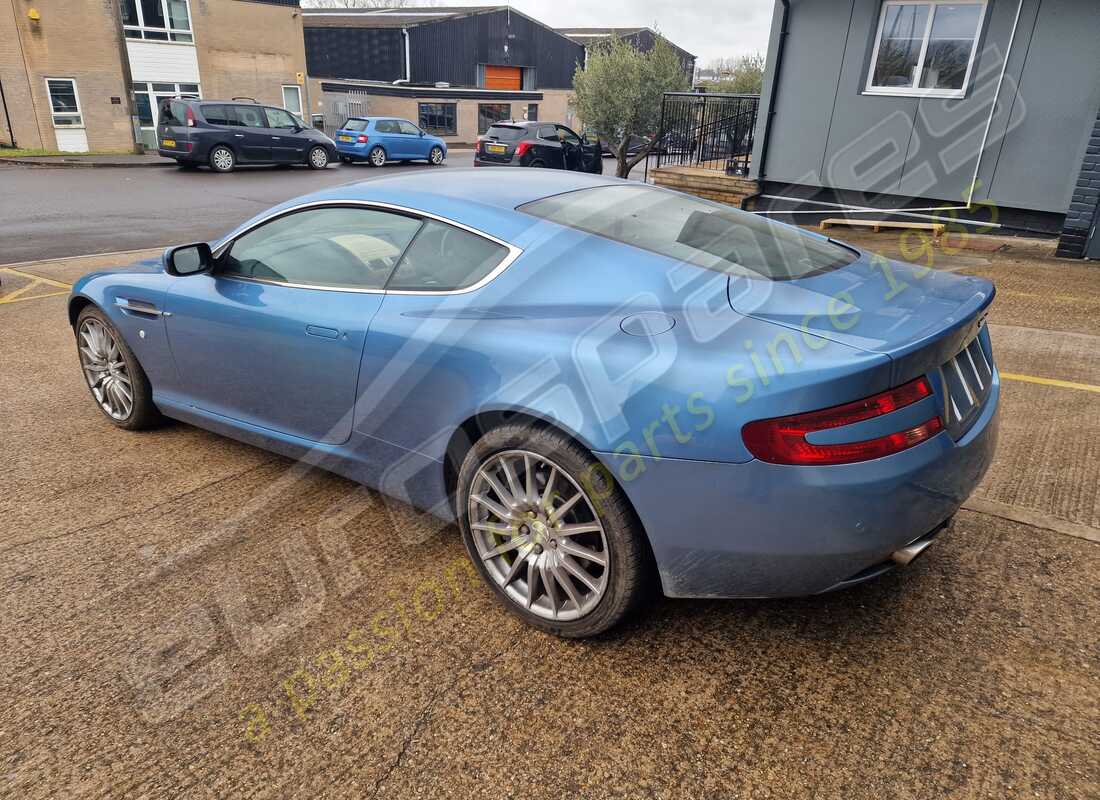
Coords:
522,148
477,147
190,117
782,440
362,138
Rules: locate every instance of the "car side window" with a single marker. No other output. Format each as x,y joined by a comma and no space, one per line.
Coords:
278,118
548,132
386,126
335,247
248,116
567,135
445,258
216,115
408,128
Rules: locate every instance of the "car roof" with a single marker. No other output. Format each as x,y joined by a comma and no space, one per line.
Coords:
484,199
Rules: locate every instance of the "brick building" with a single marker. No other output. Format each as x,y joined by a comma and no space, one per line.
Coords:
87,75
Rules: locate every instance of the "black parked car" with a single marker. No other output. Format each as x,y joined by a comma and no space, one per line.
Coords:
223,134
537,144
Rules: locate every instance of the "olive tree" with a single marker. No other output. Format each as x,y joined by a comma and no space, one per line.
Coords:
618,93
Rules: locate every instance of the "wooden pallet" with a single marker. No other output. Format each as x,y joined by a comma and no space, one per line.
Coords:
937,228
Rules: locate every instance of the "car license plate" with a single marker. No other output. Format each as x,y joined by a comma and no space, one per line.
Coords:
169,142
346,139
497,148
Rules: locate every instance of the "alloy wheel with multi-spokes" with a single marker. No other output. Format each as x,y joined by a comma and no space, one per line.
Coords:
538,535
435,157
105,369
318,158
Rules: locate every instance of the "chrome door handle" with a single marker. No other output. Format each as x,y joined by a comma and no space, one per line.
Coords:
239,135
323,332
276,138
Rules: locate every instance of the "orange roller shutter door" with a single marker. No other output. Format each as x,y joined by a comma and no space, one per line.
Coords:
503,77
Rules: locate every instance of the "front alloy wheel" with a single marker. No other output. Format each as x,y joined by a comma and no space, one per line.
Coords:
436,156
550,531
318,158
105,370
112,372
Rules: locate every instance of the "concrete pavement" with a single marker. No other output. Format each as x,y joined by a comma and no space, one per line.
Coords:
187,616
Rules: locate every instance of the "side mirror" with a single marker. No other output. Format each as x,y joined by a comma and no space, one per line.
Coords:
188,259
422,134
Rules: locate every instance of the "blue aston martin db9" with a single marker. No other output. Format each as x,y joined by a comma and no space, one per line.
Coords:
598,380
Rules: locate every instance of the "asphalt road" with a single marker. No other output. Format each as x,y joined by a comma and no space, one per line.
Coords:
59,212
54,212
184,615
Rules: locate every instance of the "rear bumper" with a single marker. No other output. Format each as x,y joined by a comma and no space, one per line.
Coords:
764,530
482,163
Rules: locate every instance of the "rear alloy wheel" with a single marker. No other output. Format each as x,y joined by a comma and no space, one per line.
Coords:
377,157
222,159
537,164
114,376
318,158
436,156
550,532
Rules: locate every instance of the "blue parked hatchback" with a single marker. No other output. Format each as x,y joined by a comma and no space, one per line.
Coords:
377,140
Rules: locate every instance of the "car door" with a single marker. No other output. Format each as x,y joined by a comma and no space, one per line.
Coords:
251,136
287,143
551,149
571,148
391,138
416,143
273,336
592,153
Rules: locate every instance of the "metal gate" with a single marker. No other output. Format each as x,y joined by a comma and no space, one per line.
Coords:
713,131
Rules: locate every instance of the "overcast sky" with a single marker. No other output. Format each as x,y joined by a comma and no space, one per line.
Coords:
707,28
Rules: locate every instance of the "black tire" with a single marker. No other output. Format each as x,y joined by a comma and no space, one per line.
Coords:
628,563
187,166
538,163
143,415
222,159
317,158
377,156
435,157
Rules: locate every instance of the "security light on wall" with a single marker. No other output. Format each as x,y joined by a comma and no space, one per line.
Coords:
34,15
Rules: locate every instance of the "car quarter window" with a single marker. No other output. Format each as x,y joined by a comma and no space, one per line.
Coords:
548,132
248,116
278,118
386,126
409,128
217,115
338,247
445,258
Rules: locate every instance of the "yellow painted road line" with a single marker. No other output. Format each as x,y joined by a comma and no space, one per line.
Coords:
1084,387
39,278
12,299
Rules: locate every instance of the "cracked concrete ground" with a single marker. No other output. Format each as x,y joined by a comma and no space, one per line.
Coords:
184,615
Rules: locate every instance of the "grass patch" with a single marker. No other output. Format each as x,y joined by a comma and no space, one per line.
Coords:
20,152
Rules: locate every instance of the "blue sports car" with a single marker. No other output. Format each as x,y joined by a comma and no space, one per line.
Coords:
600,381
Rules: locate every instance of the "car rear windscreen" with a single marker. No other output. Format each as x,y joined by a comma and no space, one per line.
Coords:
173,112
506,133
693,230
355,125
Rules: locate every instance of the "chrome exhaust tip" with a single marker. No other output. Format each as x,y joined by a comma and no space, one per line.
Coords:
906,554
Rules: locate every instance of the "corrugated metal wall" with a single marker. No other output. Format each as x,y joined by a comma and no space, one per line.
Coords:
450,50
373,54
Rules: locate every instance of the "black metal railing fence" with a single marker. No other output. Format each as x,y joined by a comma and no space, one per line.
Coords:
713,131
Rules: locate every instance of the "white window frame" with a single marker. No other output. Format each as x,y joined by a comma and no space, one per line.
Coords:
154,103
141,27
79,113
916,91
301,109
